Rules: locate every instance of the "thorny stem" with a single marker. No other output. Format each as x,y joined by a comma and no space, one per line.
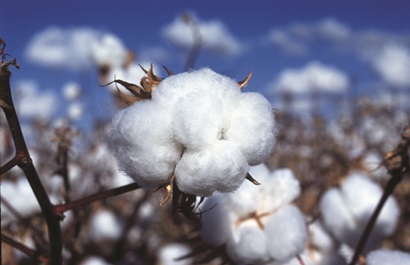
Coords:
23,248
59,209
53,224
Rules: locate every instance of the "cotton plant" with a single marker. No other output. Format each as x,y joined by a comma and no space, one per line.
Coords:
346,210
258,225
195,132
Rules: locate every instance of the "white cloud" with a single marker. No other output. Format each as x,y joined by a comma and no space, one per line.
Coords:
313,77
35,104
214,35
74,48
332,29
286,42
392,63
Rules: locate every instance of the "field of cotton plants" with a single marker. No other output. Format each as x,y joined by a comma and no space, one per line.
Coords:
196,167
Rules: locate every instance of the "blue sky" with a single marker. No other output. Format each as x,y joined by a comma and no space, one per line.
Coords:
284,43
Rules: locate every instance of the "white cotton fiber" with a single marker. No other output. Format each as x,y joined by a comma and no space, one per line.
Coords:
216,224
252,127
361,196
219,167
199,126
280,188
173,88
198,120
337,217
104,225
346,210
321,238
286,233
143,145
388,257
169,254
251,246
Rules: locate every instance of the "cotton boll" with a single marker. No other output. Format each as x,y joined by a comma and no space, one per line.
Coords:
198,120
321,238
361,196
286,233
104,225
279,188
169,254
252,127
251,245
337,216
143,145
219,167
388,257
245,199
71,90
21,197
173,88
216,224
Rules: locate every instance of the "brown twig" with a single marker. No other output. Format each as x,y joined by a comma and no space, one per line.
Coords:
59,209
25,163
23,248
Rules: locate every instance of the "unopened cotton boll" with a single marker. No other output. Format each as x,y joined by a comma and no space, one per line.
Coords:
388,257
286,233
143,144
219,167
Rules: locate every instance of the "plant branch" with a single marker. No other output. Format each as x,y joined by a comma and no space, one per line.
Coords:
23,248
53,223
59,209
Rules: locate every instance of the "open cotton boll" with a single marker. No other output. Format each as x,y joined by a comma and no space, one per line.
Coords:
169,254
173,88
286,233
279,188
94,260
388,257
347,209
198,120
219,167
251,245
252,127
104,225
216,224
361,196
337,217
143,145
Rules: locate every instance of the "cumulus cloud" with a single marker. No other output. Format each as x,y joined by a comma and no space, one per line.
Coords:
313,77
33,103
392,63
74,48
214,35
285,41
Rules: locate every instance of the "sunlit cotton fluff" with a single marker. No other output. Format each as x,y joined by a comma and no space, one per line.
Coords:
257,224
198,127
347,209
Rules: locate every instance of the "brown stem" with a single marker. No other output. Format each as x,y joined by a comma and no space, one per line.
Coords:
53,223
391,184
59,209
23,248
10,164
